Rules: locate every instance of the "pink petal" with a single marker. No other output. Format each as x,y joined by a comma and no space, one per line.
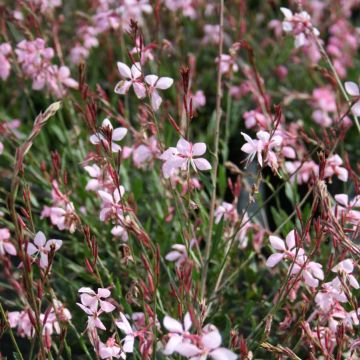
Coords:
44,260
151,79
187,350
40,239
86,290
198,149
172,325
136,70
342,174
202,164
187,322
106,306
277,243
31,249
274,259
223,354
53,242
352,88
172,343
103,293
212,340
290,240
106,197
10,248
183,146
356,108
172,256
122,87
119,133
128,344
342,199
139,89
89,301
156,100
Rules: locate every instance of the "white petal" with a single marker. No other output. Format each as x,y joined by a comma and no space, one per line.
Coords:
287,12
124,70
223,354
172,325
164,83
119,133
136,70
151,79
212,340
187,322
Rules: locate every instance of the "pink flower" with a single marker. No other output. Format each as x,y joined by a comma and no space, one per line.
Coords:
5,50
107,129
353,90
93,318
96,182
226,211
255,118
64,217
43,247
111,350
21,321
111,203
333,168
299,24
182,157
93,300
285,249
156,83
124,325
311,271
346,267
227,64
301,171
5,244
132,77
265,143
211,341
177,333
145,153
179,253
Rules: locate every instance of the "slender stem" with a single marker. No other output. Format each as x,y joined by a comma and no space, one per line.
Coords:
216,154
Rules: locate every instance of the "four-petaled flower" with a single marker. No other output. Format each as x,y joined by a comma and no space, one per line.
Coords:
92,299
43,247
124,325
182,157
155,83
131,77
5,245
107,129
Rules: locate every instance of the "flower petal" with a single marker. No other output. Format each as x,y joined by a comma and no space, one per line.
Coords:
124,70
